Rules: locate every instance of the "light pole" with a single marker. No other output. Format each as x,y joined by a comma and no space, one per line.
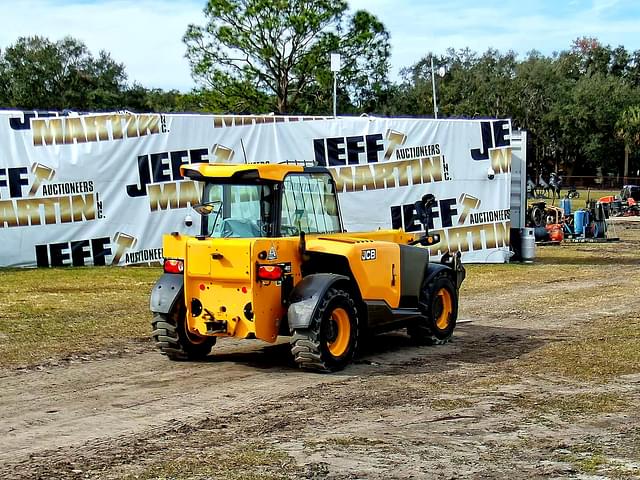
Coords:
441,72
335,68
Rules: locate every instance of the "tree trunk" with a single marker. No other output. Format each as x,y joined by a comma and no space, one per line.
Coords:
626,165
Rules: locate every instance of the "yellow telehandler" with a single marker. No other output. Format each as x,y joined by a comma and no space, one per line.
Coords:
274,260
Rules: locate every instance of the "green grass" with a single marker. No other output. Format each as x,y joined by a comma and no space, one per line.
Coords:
597,350
49,314
606,348
590,194
236,462
612,460
576,203
591,464
587,463
53,313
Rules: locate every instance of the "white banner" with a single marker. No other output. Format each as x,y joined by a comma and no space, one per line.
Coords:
101,189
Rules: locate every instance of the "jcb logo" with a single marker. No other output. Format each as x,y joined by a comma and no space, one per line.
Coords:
369,254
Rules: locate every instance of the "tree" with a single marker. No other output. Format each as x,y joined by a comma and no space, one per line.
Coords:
628,130
140,99
38,73
274,54
569,102
472,86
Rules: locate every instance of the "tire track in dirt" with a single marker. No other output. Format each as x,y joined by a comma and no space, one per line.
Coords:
88,401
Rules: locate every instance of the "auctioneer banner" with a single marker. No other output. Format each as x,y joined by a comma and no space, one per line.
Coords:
102,188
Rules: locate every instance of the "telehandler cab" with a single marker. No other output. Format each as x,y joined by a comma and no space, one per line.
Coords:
274,260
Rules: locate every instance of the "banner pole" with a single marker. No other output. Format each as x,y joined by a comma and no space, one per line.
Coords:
433,86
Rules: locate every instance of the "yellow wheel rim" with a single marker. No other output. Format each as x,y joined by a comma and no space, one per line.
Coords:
339,345
444,316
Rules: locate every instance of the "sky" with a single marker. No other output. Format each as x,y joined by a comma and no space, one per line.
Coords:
146,35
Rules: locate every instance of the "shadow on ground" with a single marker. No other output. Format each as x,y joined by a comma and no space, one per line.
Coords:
395,353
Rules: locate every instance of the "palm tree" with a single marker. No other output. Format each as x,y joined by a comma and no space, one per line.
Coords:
628,130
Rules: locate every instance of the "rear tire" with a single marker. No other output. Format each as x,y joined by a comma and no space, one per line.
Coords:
439,305
331,340
173,340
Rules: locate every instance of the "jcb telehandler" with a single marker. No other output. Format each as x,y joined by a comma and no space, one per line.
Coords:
273,259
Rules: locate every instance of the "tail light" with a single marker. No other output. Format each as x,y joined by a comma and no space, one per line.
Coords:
269,272
172,265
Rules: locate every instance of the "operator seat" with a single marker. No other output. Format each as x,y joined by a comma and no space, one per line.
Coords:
239,228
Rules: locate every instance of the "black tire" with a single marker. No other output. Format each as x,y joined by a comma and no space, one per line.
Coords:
174,341
331,340
439,305
537,216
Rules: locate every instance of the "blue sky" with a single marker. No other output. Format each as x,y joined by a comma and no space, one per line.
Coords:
146,35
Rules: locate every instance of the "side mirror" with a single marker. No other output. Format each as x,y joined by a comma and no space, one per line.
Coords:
207,208
203,208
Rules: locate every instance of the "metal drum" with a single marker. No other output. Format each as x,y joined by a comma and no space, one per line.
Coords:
528,246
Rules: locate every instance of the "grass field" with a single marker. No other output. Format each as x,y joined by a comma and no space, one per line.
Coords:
542,380
50,314
576,203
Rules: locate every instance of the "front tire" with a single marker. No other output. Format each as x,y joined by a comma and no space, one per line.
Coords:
173,339
439,306
331,340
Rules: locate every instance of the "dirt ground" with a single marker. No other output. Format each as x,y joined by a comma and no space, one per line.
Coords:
486,405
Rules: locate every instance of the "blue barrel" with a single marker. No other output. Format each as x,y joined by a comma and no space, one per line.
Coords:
580,221
565,204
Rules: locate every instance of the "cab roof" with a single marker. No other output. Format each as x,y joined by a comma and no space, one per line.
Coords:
231,172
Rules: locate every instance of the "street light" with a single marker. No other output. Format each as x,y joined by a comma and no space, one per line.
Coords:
441,72
335,68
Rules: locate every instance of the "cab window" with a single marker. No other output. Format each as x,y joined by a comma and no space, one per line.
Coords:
309,204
